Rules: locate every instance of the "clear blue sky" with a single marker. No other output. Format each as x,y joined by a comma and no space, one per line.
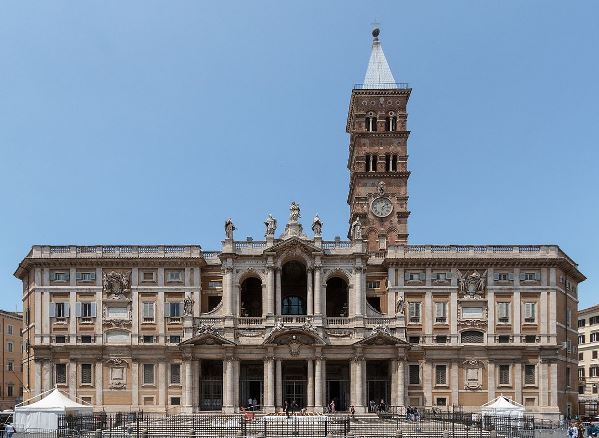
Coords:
150,122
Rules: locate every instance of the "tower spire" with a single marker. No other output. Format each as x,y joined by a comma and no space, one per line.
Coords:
378,74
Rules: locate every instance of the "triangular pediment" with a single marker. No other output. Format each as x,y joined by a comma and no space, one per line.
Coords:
381,338
281,335
294,243
208,339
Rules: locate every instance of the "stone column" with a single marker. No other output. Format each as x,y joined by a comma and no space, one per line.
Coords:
236,367
553,384
427,383
358,376
270,291
428,315
518,382
73,381
73,307
310,294
358,291
401,382
161,323
491,315
319,380
543,320
188,384
99,331
453,312
37,377
542,382
228,290
269,384
391,292
99,383
279,384
455,383
278,293
162,401
311,388
491,385
135,326
318,291
229,382
517,307
135,384
47,375
196,384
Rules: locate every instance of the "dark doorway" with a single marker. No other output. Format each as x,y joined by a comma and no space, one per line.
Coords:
211,385
338,384
378,381
295,385
251,384
294,289
251,297
337,304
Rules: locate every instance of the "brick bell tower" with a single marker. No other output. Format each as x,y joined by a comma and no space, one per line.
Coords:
378,157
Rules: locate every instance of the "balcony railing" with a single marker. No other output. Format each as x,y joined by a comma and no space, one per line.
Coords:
383,85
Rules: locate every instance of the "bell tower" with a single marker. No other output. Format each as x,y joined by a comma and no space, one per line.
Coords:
378,157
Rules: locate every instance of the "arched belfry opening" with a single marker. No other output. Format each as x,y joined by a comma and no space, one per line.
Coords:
251,297
294,289
337,297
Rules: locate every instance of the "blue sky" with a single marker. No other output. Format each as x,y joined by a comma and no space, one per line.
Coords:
151,122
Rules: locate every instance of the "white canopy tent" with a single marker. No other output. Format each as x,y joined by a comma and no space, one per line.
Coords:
502,407
43,414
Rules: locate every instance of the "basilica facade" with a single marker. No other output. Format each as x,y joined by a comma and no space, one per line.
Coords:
294,318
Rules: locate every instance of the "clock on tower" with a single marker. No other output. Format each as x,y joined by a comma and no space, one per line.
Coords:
376,122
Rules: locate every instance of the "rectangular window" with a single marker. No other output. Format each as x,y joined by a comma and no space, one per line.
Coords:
174,339
594,320
373,284
441,401
87,310
580,356
594,354
530,276
441,312
86,339
415,276
530,339
175,374
441,339
9,330
59,310
148,276
215,284
60,339
441,375
148,376
581,373
148,311
530,312
10,347
503,339
86,373
503,312
504,374
175,276
594,337
60,370
581,339
10,366
581,322
60,276
414,311
530,375
472,312
441,276
86,276
502,276
594,371
414,339
148,339
175,401
414,374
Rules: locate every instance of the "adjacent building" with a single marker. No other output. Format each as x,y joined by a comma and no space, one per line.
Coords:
588,353
294,317
11,391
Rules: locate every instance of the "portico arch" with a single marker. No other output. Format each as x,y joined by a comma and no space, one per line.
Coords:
294,288
251,297
337,297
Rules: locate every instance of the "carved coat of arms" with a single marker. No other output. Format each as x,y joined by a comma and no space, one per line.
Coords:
116,284
473,284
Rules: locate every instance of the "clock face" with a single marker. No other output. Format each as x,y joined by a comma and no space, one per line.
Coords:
381,207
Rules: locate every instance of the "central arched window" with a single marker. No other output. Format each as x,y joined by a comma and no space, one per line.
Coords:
473,337
293,305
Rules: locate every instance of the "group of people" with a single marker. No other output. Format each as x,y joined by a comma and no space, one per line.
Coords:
412,414
253,404
377,407
578,430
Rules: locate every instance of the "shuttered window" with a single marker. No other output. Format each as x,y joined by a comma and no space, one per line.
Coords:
504,374
175,374
441,312
86,374
530,375
414,310
148,374
441,374
530,312
61,373
503,312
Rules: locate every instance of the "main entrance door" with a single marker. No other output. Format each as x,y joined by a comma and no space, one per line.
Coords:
211,385
295,384
337,379
378,382
251,382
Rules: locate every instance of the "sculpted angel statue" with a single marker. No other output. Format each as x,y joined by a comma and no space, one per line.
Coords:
294,212
271,225
229,228
317,226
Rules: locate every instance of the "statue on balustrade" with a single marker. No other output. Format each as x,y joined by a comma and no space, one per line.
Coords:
229,228
317,226
271,225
